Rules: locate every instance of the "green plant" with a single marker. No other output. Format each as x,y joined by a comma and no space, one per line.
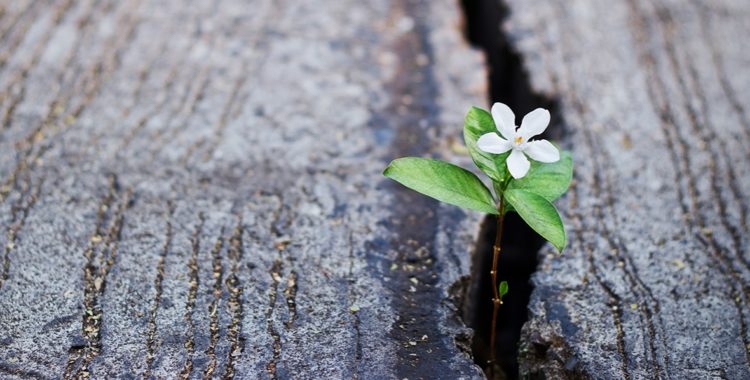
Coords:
500,150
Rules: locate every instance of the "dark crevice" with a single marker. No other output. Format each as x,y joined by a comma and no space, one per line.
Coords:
518,261
508,83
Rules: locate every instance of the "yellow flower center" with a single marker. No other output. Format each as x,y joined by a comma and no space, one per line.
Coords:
518,139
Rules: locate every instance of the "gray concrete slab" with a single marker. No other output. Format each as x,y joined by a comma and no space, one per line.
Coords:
652,97
193,189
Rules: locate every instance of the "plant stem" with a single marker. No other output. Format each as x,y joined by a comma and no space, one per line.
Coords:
496,299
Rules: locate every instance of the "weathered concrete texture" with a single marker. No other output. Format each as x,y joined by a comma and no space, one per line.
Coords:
193,189
653,97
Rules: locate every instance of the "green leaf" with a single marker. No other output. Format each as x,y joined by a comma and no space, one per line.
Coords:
539,214
477,123
443,181
502,290
548,180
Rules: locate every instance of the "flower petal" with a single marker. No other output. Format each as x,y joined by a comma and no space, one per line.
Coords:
534,123
542,151
492,143
505,120
518,164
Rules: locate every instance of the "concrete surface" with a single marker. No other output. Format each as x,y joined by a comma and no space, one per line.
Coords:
194,189
653,99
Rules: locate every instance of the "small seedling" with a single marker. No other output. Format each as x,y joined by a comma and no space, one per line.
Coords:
502,151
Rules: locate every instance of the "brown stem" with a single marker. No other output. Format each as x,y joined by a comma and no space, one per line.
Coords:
496,299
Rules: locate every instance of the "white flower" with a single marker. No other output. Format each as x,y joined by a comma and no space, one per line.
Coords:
517,141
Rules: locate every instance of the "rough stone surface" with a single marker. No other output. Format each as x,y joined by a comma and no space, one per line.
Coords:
193,190
653,99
